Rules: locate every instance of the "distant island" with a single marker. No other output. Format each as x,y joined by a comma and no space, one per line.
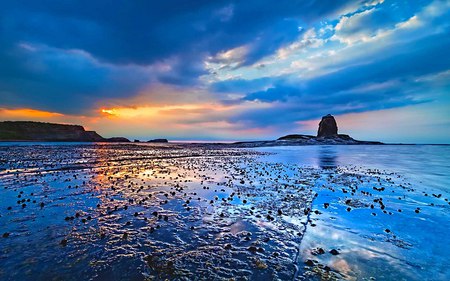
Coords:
327,134
158,141
39,131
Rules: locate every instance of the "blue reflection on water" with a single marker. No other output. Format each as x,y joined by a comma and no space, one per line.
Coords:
327,156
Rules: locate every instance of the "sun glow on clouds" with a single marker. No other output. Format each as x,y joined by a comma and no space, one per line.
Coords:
208,121
169,111
29,113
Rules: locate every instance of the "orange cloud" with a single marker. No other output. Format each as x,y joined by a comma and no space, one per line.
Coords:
24,113
187,120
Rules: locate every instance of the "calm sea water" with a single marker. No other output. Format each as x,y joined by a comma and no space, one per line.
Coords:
427,165
421,248
135,212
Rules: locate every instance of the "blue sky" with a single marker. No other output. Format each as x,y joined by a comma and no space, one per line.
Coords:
229,70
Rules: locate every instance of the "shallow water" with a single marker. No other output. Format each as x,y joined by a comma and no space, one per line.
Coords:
137,212
399,245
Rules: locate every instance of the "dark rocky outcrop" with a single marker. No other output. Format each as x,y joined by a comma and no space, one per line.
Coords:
39,131
158,141
326,135
327,127
117,139
297,137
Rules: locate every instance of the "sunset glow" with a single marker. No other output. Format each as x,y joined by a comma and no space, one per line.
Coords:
26,113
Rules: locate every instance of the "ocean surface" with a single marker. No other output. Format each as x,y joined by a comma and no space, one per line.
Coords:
72,211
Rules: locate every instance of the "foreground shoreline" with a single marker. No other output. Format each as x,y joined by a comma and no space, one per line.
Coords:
139,211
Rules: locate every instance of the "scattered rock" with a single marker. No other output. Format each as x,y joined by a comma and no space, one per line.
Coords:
317,251
334,252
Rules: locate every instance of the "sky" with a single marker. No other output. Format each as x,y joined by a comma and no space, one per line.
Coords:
229,70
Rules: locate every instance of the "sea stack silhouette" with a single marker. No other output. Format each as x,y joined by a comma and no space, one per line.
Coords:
327,127
327,134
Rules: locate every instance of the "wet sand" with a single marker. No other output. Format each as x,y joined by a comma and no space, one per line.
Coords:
179,212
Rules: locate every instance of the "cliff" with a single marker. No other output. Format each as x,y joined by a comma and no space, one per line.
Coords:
39,131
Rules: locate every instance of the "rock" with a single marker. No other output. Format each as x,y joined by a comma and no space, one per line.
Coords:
334,252
158,141
117,139
260,264
137,141
296,137
318,251
252,249
327,127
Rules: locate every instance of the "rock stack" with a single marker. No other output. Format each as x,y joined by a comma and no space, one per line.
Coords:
327,127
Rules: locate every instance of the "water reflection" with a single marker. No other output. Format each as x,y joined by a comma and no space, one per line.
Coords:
327,157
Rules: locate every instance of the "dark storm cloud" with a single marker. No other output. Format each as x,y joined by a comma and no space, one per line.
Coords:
52,80
178,34
142,32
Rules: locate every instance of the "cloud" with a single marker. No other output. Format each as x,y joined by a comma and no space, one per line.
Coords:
73,54
397,68
144,32
379,21
67,81
269,63
393,81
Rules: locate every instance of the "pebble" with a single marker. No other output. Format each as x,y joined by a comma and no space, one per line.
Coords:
334,252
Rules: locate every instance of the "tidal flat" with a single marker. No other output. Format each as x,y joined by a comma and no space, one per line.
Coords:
182,212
